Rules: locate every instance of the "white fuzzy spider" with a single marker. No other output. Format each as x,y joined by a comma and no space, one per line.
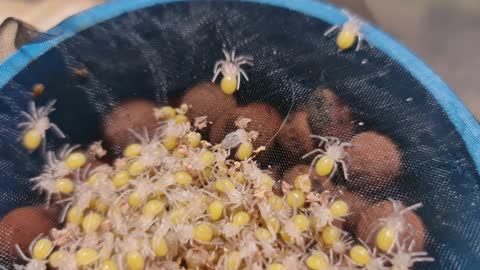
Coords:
393,225
326,160
349,33
37,124
231,71
34,263
404,258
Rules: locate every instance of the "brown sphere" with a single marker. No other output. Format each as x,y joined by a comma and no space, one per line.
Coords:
26,223
357,204
294,136
367,225
328,115
207,99
265,120
132,114
318,182
375,160
6,240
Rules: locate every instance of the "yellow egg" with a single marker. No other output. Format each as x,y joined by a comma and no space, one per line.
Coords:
385,239
121,179
64,185
182,178
295,198
133,150
86,256
193,139
153,208
301,222
331,235
32,139
42,248
135,260
178,215
228,84
324,166
346,39
180,119
273,224
203,233
224,185
108,265
263,234
207,158
266,180
136,168
134,199
275,202
233,260
317,262
75,160
170,142
303,183
159,246
74,216
239,177
165,112
56,258
244,151
339,208
276,266
215,210
241,218
360,255
91,222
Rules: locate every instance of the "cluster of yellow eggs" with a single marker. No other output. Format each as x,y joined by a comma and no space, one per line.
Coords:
174,201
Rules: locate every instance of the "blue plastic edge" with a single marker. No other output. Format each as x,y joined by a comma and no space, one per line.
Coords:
458,114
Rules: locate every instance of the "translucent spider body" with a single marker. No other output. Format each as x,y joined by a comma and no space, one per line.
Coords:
404,257
40,248
325,161
349,33
37,124
241,139
393,225
231,71
151,151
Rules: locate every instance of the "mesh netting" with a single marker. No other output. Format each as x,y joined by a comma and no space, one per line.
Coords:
158,52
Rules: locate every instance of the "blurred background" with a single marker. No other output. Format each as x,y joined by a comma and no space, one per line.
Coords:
444,33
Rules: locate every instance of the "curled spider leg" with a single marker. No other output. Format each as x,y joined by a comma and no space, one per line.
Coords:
244,74
344,168
313,152
215,75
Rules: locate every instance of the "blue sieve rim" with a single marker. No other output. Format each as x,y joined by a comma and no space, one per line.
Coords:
462,119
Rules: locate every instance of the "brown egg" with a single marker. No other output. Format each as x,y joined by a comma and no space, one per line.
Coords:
207,99
294,136
375,161
27,223
328,115
131,114
357,204
265,120
6,241
292,173
367,224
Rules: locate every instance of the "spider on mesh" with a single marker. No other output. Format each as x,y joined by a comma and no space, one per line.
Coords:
325,161
37,124
349,33
231,71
